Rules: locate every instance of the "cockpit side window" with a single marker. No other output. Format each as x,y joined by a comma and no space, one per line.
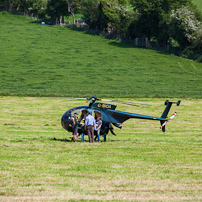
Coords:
82,115
97,114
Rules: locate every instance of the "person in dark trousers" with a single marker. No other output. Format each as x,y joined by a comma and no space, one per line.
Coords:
89,127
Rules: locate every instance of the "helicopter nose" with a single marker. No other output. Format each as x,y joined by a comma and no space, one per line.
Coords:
66,125
66,121
63,124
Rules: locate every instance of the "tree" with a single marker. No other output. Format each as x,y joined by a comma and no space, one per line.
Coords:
6,4
38,7
3,4
73,6
120,16
154,17
56,9
184,27
94,15
197,41
90,11
22,5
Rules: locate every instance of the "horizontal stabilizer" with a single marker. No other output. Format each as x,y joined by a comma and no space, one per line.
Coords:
167,109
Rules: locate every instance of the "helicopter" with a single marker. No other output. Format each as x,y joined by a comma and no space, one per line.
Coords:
110,117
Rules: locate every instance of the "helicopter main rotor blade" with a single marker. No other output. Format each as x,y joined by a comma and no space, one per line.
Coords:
130,103
93,98
106,100
81,98
49,98
72,99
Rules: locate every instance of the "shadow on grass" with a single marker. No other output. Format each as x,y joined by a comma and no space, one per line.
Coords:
79,140
61,140
125,43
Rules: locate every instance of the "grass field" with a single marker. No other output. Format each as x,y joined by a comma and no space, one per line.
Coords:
56,61
140,163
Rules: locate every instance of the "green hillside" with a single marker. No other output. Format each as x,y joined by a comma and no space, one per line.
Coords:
198,3
50,60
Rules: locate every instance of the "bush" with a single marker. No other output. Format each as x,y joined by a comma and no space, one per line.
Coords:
197,40
184,27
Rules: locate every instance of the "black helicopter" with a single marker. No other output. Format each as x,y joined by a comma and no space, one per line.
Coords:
109,115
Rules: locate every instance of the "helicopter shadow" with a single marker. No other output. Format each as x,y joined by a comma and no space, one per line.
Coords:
61,140
79,141
129,140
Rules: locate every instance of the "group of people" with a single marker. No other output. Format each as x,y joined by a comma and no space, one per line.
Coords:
91,125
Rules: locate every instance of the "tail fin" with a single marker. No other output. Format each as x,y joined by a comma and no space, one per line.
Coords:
167,109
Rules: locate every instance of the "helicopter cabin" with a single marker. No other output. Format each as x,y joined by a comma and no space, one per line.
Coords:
82,113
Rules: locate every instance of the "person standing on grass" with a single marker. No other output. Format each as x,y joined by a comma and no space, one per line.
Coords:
89,127
75,127
98,127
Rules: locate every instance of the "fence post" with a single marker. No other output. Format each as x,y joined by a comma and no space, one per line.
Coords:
168,47
147,43
136,41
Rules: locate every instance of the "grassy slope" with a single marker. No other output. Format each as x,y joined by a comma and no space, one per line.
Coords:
51,60
140,163
198,3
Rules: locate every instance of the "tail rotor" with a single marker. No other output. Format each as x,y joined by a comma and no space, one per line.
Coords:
165,113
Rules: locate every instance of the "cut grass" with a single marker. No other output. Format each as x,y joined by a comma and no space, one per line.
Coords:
50,60
140,163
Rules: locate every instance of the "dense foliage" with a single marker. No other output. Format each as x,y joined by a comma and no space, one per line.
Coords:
162,21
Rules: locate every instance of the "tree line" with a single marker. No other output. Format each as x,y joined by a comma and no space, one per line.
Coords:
175,22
